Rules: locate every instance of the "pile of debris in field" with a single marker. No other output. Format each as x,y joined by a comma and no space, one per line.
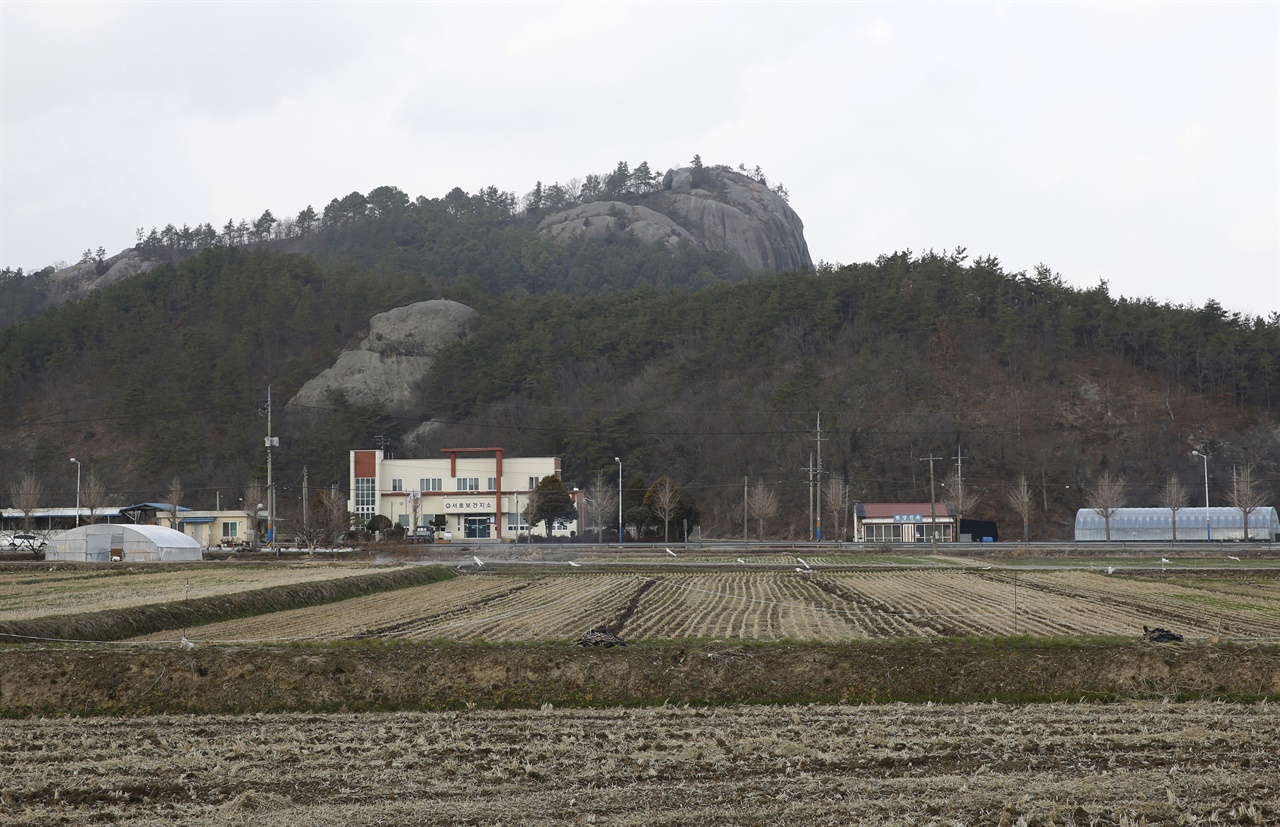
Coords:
1160,635
600,636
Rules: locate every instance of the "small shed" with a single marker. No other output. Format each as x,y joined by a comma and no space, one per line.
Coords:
128,543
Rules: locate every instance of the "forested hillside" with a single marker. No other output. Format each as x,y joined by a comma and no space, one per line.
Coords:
682,365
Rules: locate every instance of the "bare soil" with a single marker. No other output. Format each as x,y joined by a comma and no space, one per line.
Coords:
1147,763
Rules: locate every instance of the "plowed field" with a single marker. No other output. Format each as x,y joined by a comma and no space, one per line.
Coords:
1116,764
829,607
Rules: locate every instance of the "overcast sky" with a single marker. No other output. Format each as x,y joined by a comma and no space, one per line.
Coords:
1135,143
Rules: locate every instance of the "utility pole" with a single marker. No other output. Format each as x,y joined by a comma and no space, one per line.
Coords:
306,523
819,473
933,524
744,511
809,468
271,442
959,458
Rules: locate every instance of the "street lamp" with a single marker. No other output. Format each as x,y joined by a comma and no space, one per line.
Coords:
77,462
1208,531
619,461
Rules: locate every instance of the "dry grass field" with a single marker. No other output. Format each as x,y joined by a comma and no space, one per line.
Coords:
658,733
826,607
36,591
984,764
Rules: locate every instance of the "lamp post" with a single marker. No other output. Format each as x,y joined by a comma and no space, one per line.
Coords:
1208,531
619,461
77,462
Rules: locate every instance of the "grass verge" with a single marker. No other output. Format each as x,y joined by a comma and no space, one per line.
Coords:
377,676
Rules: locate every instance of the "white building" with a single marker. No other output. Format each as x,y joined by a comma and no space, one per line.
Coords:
904,523
477,493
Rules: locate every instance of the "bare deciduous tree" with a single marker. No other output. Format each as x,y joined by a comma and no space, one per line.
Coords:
329,519
333,515
1173,496
601,502
1019,497
762,504
533,501
253,498
1106,497
959,498
94,495
836,494
663,499
175,498
1245,496
26,494
415,510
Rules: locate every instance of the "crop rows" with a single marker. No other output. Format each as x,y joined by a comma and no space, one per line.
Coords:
754,605
356,617
1199,607
37,594
1065,764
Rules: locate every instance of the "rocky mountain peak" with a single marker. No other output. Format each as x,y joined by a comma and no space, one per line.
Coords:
711,207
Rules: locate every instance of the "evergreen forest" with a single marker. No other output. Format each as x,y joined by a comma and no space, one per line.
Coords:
685,366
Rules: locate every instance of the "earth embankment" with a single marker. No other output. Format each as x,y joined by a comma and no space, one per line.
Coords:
113,679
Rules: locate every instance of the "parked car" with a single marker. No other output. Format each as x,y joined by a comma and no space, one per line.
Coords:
26,541
424,534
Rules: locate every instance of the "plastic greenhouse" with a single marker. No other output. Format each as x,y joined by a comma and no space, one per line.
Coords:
128,543
1154,524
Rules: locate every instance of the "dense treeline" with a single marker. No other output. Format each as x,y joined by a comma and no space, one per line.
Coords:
484,240
908,357
682,365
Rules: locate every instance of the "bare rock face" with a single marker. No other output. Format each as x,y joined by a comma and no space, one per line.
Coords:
398,353
734,213
79,280
711,207
596,219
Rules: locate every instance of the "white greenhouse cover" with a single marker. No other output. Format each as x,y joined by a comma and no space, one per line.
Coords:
128,543
1155,524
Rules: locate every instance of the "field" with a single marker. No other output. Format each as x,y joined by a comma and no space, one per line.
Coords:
824,607
36,591
751,694
1062,764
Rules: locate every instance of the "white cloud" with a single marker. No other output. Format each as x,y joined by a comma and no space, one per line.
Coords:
1135,143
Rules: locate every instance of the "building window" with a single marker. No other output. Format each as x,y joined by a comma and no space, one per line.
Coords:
493,484
515,522
533,483
468,483
229,530
881,533
432,484
403,519
366,497
397,485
